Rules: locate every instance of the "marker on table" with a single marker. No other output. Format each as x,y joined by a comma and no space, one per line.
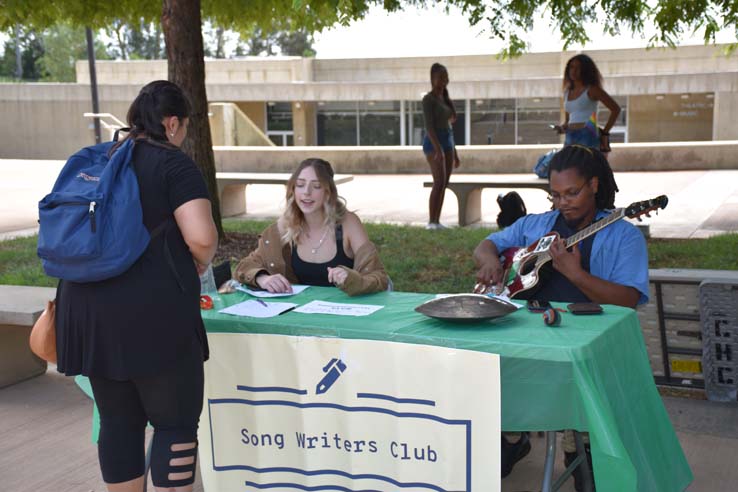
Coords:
334,369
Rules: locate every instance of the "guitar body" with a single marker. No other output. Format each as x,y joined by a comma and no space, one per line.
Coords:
521,266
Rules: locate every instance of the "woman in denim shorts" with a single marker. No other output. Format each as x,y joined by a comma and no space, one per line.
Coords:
438,144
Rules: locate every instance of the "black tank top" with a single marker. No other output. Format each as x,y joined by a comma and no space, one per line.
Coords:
308,273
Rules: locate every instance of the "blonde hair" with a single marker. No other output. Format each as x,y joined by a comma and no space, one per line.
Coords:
334,206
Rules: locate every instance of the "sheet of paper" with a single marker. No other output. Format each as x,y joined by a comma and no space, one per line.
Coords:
258,309
502,297
296,289
341,309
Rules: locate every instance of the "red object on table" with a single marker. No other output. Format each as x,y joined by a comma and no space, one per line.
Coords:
206,302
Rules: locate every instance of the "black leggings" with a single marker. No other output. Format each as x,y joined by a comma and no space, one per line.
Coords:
171,401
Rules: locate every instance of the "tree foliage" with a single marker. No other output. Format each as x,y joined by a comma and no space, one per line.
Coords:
508,20
31,50
48,55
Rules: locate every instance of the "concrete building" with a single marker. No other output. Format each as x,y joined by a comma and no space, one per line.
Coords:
682,94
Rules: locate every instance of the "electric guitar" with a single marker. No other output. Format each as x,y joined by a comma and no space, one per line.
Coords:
521,266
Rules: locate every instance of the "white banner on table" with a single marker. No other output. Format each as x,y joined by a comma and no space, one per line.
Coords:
305,413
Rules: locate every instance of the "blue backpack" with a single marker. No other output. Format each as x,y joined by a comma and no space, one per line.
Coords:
541,167
91,224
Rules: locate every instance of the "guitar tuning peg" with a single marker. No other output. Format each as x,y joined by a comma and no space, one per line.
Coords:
648,214
639,219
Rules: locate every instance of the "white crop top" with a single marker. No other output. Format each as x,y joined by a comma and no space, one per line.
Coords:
581,108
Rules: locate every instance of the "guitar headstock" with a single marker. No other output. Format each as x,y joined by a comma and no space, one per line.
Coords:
635,210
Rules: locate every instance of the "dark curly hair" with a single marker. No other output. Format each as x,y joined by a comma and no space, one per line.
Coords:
589,163
588,71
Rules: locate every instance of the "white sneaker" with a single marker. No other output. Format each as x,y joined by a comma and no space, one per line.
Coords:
441,226
431,226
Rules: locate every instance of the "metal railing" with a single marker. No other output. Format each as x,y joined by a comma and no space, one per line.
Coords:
109,122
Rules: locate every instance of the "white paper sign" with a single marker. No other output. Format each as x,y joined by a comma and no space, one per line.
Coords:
258,309
296,289
303,413
338,308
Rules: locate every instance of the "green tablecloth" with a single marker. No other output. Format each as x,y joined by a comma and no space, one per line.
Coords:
590,374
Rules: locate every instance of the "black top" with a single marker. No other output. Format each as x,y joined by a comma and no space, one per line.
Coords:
555,286
317,273
142,321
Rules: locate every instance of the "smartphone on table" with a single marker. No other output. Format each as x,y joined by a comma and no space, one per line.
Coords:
584,308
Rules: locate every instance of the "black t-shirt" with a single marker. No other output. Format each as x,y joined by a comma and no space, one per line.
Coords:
145,319
555,286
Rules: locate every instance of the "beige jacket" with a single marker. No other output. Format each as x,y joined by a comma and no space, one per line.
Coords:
273,257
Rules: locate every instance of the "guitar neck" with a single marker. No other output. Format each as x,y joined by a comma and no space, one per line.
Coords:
616,215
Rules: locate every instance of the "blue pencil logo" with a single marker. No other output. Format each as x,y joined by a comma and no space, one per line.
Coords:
333,371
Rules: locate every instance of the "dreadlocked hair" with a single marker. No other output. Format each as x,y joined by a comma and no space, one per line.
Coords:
589,163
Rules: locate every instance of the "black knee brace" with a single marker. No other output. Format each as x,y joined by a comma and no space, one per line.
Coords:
162,453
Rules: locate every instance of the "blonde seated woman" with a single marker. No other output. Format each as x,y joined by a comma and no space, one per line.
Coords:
316,241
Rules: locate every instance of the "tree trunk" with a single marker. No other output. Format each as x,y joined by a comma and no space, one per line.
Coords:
182,26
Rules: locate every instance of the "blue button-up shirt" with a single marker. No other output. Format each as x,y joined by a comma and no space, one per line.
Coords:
619,252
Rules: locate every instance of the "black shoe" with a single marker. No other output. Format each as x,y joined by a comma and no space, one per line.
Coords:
513,452
577,473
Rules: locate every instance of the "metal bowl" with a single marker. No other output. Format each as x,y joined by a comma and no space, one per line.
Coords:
466,308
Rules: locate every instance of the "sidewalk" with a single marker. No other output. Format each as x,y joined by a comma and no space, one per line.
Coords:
701,203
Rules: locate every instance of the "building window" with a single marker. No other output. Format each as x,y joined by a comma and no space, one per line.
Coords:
279,123
671,117
379,123
535,114
337,123
492,122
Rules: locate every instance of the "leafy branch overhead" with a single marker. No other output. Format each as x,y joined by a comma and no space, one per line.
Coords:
508,20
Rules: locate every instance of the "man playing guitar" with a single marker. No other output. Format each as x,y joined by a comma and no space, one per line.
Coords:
608,267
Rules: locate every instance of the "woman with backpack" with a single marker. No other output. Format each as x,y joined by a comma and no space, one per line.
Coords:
582,92
439,147
139,336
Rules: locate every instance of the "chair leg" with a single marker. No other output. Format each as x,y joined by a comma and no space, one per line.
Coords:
587,477
548,466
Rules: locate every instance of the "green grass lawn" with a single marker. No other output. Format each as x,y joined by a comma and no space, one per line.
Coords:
417,260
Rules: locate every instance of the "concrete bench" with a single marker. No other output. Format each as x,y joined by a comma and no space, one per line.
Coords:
468,191
232,188
20,307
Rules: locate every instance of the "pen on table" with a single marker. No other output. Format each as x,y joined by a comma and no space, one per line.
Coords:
262,302
288,309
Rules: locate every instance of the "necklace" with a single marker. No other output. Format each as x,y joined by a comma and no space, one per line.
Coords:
315,249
